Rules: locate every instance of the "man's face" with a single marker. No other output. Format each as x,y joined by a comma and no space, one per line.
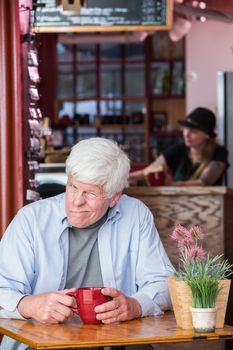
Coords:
86,203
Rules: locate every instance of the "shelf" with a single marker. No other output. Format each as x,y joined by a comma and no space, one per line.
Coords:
103,98
103,126
122,126
167,97
166,133
127,87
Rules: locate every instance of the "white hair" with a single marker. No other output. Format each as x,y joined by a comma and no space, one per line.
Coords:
101,162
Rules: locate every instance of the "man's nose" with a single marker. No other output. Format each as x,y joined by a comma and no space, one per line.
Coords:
79,198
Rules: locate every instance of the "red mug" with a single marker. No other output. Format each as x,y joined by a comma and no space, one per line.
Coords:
87,299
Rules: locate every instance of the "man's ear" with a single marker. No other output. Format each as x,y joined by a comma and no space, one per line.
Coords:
115,199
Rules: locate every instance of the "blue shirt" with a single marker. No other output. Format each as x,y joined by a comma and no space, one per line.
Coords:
34,256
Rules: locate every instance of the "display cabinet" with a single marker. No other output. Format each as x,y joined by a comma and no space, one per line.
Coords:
113,90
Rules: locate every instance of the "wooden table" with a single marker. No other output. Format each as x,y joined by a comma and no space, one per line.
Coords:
148,330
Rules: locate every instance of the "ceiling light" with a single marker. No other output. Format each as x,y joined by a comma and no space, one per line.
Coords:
202,19
202,5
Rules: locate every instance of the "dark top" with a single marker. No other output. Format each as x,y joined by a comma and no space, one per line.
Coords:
177,158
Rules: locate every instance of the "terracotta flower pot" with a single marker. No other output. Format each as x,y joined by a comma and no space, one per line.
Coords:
182,301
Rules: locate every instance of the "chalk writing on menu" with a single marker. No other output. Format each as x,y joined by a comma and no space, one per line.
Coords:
103,13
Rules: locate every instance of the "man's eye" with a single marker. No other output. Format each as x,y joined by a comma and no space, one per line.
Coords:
91,194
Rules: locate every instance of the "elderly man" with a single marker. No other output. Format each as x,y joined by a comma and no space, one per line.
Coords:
90,235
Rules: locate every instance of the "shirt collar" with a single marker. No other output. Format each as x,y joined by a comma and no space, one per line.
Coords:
115,212
63,215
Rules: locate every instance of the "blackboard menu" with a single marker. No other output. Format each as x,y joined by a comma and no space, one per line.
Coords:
102,15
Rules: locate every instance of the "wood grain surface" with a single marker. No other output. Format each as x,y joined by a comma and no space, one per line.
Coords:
148,330
203,206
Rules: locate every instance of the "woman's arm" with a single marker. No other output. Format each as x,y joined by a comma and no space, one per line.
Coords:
158,165
210,174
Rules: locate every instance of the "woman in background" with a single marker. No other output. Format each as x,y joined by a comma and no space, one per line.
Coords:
198,161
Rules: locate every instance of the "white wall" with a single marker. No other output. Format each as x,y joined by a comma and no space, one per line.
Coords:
209,48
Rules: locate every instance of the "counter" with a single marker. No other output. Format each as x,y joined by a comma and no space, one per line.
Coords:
209,207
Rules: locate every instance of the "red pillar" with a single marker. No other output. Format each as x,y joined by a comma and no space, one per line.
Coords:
11,143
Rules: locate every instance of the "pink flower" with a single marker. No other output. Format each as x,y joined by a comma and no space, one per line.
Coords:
196,233
179,233
189,239
196,253
181,245
187,242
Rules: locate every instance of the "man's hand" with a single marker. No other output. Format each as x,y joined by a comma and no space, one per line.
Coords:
120,308
49,308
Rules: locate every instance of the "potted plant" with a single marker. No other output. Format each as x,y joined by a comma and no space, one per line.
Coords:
200,285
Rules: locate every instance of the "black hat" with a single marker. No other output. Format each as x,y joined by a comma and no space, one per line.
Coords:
201,119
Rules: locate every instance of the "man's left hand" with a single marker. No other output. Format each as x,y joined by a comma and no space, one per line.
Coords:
120,308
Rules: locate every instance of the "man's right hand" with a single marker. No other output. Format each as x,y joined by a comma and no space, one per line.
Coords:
49,308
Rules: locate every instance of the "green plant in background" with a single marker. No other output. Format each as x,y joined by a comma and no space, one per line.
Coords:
198,268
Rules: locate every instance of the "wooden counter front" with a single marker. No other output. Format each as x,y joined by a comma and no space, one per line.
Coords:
209,207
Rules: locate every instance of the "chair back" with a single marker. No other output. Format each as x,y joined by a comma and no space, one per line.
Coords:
47,190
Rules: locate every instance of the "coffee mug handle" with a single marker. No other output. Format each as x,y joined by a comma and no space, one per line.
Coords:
74,309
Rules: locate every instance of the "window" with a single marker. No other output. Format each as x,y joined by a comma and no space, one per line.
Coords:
110,90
